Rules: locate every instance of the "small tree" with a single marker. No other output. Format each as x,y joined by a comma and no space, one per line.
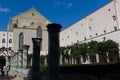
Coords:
75,53
93,50
112,50
102,52
83,51
64,51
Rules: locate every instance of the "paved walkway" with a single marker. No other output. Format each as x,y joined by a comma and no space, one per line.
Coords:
9,77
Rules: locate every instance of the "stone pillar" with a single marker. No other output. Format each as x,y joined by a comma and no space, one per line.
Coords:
53,53
20,62
36,58
45,61
97,58
60,60
13,65
25,60
20,58
72,60
107,57
16,64
7,61
81,59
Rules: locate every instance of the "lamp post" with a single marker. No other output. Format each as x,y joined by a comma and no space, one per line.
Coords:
36,58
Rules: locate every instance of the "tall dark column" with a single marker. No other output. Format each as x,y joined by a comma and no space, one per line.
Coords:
36,58
53,53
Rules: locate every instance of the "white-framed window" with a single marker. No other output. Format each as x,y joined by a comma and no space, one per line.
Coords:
10,40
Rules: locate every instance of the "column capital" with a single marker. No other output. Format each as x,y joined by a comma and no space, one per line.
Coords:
25,46
16,53
20,50
38,40
54,27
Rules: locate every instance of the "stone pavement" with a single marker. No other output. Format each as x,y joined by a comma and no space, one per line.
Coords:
9,77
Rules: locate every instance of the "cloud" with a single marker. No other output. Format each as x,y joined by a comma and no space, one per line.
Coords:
69,5
3,9
63,4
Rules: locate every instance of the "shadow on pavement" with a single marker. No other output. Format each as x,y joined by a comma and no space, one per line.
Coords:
9,77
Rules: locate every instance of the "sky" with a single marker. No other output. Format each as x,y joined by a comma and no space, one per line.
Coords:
64,12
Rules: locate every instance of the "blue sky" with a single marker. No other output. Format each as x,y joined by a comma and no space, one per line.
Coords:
64,12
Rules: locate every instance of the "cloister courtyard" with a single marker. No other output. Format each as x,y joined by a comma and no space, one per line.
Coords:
60,64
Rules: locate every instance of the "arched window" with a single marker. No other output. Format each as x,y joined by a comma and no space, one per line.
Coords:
3,40
39,32
10,40
15,25
21,40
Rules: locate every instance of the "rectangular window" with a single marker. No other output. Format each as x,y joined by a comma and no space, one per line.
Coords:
3,40
90,28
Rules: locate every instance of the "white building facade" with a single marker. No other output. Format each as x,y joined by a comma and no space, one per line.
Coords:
102,24
6,40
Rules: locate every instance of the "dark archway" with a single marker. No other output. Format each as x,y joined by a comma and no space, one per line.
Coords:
2,61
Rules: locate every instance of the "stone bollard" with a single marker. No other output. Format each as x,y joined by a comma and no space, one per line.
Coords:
25,61
53,52
36,58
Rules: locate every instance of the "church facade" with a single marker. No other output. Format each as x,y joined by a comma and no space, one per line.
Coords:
101,25
28,25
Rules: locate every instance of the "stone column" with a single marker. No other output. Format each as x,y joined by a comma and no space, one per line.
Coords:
45,61
36,58
53,52
16,64
25,60
107,58
81,59
20,62
7,61
60,60
13,65
97,58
